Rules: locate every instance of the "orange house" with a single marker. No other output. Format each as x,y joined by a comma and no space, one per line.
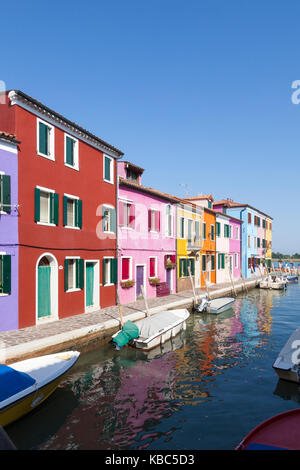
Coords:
208,252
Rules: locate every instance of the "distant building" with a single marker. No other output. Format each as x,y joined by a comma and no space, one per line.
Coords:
254,234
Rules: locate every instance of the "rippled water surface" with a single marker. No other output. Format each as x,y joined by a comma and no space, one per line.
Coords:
205,390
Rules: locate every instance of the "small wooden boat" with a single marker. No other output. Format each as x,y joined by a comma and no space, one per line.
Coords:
215,306
281,432
26,384
286,364
291,278
153,330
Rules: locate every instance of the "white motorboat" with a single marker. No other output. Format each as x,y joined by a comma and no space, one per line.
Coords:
273,282
151,331
215,306
287,364
26,384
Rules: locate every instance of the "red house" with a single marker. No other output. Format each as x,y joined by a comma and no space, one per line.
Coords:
67,196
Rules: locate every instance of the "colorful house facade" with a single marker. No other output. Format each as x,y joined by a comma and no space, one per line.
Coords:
189,244
9,250
253,237
146,238
67,195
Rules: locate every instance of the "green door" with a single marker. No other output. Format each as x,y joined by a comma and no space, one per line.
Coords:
89,277
44,295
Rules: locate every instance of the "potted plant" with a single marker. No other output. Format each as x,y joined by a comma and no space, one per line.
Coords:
127,284
154,281
170,264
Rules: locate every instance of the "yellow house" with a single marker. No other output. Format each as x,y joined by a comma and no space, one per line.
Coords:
189,244
268,242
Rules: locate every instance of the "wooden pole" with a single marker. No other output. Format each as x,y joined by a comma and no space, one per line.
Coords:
243,281
145,300
232,283
192,282
208,296
120,308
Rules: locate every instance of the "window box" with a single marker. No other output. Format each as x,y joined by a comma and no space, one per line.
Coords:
154,281
170,261
127,284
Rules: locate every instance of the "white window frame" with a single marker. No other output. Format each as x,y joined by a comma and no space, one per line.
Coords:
108,206
156,265
49,191
76,152
169,234
153,211
74,289
51,155
74,198
112,175
107,284
237,233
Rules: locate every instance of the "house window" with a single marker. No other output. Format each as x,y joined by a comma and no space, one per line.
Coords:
209,204
226,230
74,274
258,242
153,220
249,218
126,214
71,152
45,139
153,267
249,242
197,230
204,231
236,260
5,274
169,221
5,193
183,267
213,262
264,223
126,269
237,233
181,227
218,229
109,271
221,261
109,219
132,175
190,231
212,232
72,206
191,265
108,170
46,206
203,262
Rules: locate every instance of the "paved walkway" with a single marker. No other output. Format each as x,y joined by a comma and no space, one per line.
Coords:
101,324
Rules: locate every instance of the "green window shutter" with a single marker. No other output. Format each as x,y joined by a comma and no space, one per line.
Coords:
180,267
55,208
212,236
37,205
185,267
66,274
70,151
78,209
65,203
218,228
107,168
6,278
113,220
114,270
204,230
223,261
80,273
203,263
192,265
5,181
43,139
52,208
104,280
182,228
213,262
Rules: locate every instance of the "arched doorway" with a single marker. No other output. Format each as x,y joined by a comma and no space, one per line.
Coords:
47,289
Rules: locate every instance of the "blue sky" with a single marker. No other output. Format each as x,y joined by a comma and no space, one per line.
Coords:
196,92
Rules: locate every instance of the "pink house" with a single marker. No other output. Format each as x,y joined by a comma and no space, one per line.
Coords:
146,237
235,247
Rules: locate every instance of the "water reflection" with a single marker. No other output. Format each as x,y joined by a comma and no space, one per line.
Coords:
131,399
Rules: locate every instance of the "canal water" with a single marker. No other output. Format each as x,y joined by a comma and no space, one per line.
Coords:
206,390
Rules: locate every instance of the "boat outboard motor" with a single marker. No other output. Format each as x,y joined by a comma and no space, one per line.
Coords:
203,305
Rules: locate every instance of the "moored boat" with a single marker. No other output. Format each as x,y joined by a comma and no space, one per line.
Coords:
26,384
273,282
292,278
281,432
153,330
215,306
286,364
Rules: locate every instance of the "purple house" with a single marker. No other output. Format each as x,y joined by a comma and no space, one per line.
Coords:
8,232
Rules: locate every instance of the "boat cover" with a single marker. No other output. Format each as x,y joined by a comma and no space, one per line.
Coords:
219,303
150,326
13,381
129,331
